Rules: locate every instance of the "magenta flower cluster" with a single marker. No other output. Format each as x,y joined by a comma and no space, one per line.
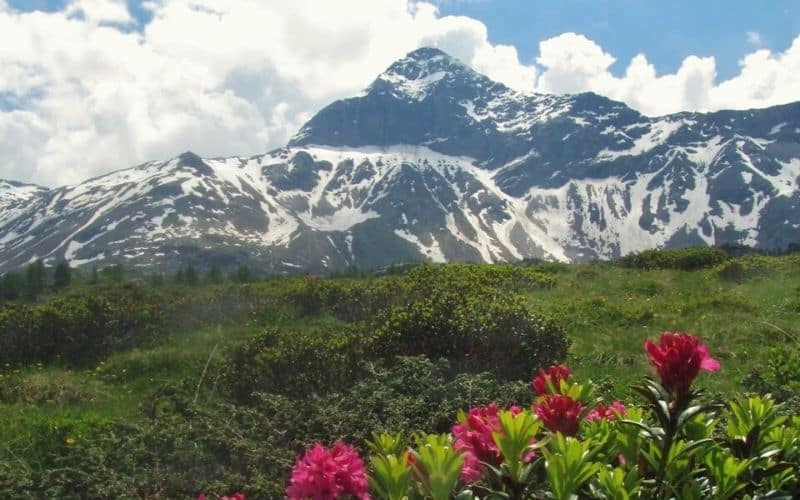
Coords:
474,437
322,473
550,378
678,358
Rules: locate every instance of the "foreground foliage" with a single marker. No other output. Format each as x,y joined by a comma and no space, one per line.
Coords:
567,445
180,389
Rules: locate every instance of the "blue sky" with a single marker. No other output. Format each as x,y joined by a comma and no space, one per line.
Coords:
666,30
85,89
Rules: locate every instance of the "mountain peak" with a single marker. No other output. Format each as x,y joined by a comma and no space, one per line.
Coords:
427,53
419,72
425,59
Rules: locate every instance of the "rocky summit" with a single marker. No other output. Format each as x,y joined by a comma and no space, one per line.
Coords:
434,161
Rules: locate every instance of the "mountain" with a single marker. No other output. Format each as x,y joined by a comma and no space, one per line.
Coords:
435,161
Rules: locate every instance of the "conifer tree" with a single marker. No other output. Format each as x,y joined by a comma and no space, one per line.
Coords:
214,275
62,275
12,286
114,273
34,279
243,275
190,275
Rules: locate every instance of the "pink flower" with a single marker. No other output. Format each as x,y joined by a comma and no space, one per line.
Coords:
559,413
554,375
321,474
602,412
678,358
236,496
351,473
474,437
472,468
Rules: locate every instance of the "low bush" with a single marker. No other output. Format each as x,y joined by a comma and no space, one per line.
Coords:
686,259
295,363
779,376
745,268
78,329
478,332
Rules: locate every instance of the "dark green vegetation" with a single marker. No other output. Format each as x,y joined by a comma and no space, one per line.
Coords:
151,390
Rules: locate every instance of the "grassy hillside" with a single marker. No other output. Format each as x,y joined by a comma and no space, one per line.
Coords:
136,390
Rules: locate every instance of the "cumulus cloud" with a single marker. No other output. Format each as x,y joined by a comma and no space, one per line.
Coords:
82,92
766,78
573,63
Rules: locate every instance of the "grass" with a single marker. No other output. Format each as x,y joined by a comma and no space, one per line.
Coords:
609,312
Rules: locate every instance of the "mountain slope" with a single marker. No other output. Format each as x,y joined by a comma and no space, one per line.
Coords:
435,161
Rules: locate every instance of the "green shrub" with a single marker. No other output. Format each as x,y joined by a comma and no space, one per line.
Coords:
686,259
745,268
465,277
408,393
295,363
362,300
77,329
779,376
477,331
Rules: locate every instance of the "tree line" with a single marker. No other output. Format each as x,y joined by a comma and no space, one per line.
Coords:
36,278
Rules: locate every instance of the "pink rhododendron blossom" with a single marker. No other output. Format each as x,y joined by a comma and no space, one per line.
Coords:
474,437
472,468
559,413
678,358
351,470
334,473
554,374
610,412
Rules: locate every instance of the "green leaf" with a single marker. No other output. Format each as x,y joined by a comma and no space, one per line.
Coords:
514,441
441,463
568,465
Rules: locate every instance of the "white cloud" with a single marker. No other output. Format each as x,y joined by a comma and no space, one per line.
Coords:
219,77
766,78
101,11
573,63
754,38
84,96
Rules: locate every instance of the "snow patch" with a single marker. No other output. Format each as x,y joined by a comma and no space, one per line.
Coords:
659,133
341,220
433,252
413,88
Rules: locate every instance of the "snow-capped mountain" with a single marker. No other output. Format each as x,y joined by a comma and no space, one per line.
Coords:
435,161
